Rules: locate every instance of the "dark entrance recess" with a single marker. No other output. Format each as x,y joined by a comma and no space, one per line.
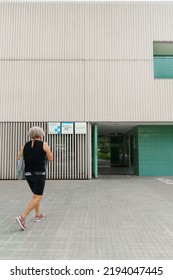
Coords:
115,154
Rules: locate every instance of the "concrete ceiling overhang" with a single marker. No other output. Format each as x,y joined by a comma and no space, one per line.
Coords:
109,128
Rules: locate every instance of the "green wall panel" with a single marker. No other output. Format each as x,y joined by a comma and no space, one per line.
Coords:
155,150
94,151
135,151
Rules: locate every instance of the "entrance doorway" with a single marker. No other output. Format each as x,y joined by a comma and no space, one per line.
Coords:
115,154
113,149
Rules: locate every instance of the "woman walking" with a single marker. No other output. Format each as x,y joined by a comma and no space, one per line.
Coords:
35,153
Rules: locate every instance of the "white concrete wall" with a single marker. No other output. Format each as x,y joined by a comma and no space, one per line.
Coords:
83,61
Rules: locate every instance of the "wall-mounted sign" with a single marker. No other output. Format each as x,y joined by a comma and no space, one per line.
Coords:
54,128
80,128
67,128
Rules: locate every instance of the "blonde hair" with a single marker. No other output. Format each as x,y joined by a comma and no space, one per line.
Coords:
36,131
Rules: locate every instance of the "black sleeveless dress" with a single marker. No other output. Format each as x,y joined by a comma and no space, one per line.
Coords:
34,157
35,172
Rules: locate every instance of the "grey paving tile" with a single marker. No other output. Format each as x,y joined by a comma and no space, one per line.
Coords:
110,218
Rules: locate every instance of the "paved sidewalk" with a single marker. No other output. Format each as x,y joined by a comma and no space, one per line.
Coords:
116,217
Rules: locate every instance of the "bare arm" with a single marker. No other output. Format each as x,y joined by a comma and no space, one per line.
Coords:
20,153
48,151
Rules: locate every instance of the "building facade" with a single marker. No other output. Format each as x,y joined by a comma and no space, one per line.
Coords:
92,63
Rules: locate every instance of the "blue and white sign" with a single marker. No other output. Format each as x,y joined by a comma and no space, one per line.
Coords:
67,128
54,128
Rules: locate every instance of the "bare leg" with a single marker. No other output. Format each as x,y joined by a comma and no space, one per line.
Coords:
33,204
37,210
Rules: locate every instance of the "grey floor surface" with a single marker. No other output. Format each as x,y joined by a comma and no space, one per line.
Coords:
113,217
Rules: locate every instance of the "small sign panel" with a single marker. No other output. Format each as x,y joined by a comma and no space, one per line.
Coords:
54,128
67,128
80,128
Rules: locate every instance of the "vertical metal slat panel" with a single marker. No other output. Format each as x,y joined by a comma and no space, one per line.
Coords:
72,153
